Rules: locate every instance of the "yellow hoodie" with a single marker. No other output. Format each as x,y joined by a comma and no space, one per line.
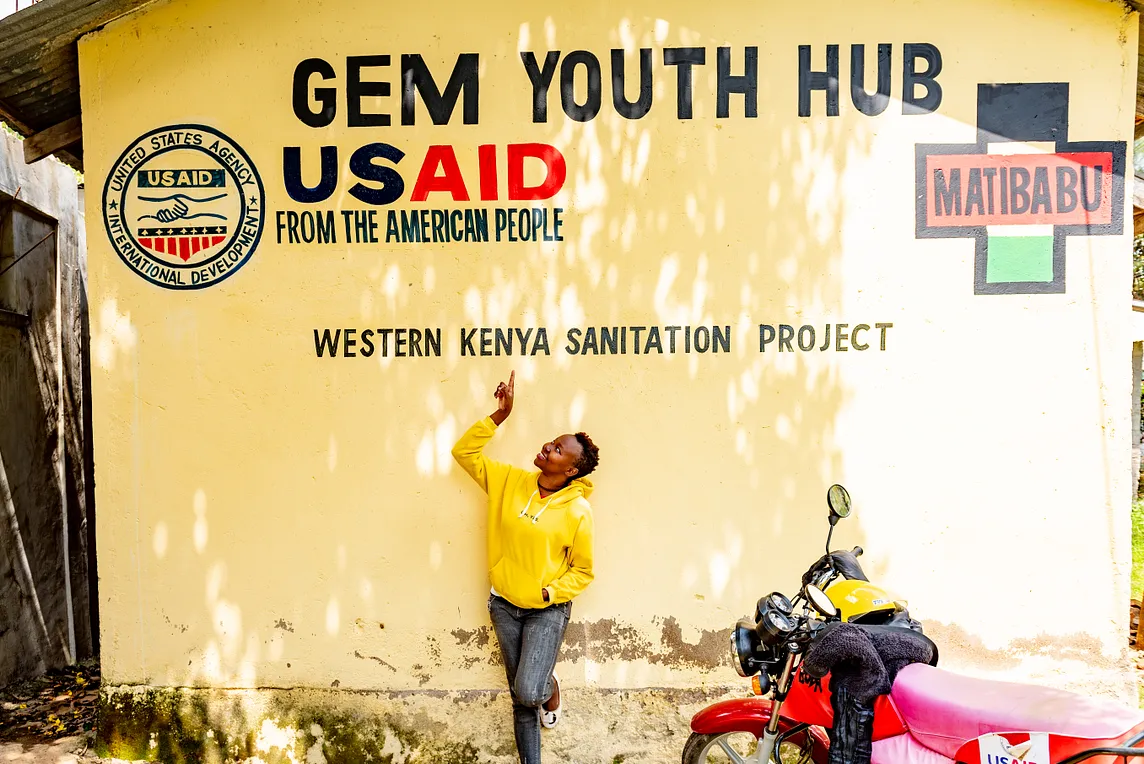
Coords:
533,543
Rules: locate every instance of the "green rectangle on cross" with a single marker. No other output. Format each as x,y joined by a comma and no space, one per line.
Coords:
1019,258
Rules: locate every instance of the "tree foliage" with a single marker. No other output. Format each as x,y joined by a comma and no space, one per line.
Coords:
1138,268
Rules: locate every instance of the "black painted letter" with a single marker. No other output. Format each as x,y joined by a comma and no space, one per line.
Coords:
327,98
808,80
587,111
911,78
1066,189
746,83
625,108
684,58
1096,185
870,105
541,80
1019,190
356,90
416,78
947,194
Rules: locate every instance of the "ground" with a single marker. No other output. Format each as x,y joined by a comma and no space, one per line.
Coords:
50,719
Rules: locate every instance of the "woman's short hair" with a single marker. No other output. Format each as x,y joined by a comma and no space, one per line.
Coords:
589,456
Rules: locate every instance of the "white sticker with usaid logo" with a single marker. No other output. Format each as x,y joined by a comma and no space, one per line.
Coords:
1021,748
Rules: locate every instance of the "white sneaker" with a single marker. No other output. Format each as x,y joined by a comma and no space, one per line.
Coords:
549,719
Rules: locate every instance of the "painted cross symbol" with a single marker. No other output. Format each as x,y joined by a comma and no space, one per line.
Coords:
1017,200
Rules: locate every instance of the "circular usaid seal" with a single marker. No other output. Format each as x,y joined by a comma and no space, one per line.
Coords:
183,207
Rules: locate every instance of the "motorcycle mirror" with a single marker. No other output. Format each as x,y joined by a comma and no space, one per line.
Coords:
838,500
819,601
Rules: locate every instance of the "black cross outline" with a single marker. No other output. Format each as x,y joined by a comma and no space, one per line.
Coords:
1022,112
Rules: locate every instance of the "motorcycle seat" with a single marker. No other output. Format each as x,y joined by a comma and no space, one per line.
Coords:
944,710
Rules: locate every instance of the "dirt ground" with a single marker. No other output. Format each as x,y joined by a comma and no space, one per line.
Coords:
68,750
51,719
62,703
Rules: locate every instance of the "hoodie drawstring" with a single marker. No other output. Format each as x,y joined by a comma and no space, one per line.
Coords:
535,517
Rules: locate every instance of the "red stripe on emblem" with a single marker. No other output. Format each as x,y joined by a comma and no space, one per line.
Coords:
184,248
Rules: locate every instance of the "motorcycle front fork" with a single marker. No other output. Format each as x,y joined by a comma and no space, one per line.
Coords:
765,749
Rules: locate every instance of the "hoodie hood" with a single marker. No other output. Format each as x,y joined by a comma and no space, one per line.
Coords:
579,487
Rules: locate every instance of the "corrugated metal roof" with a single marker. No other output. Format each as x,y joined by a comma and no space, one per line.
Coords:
39,64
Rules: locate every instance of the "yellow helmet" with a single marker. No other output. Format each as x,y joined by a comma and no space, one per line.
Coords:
862,600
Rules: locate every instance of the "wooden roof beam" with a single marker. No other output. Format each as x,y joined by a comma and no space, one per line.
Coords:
8,114
49,141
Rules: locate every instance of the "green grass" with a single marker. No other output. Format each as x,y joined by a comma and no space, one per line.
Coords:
1138,570
1137,548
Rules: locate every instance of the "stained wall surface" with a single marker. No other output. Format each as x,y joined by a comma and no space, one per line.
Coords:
320,233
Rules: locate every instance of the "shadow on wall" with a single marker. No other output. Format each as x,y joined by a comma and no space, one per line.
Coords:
322,553
721,452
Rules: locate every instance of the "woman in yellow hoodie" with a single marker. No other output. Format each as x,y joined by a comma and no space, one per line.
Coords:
540,558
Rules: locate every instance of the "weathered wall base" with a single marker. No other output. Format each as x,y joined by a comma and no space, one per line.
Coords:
1075,663
600,726
603,726
301,725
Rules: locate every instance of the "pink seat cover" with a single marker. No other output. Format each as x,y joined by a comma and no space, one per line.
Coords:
903,749
944,710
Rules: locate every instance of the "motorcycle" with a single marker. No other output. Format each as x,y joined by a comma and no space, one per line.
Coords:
930,716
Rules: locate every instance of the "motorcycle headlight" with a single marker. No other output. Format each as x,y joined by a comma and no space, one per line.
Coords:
744,641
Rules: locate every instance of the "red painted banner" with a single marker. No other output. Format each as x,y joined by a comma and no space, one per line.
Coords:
1018,189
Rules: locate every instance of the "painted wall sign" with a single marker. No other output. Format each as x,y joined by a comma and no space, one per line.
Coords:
183,207
711,235
1033,201
487,341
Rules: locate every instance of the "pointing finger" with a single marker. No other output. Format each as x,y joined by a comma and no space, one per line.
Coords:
512,381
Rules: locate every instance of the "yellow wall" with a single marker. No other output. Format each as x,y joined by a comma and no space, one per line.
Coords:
264,512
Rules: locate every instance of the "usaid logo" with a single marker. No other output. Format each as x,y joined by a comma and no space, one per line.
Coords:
183,207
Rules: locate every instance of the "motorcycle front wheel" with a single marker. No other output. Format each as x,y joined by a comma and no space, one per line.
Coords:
739,748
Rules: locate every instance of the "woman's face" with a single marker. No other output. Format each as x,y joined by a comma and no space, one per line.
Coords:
559,456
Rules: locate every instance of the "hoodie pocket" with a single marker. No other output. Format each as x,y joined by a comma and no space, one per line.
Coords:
516,585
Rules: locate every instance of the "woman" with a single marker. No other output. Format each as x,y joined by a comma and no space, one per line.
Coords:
540,558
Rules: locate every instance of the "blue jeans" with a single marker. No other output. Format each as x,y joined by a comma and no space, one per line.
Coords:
529,641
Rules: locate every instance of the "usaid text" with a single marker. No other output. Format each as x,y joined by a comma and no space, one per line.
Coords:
351,92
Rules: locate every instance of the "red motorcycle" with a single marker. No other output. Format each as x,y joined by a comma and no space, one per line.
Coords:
931,716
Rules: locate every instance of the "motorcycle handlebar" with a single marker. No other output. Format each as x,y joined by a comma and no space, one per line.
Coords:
828,566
